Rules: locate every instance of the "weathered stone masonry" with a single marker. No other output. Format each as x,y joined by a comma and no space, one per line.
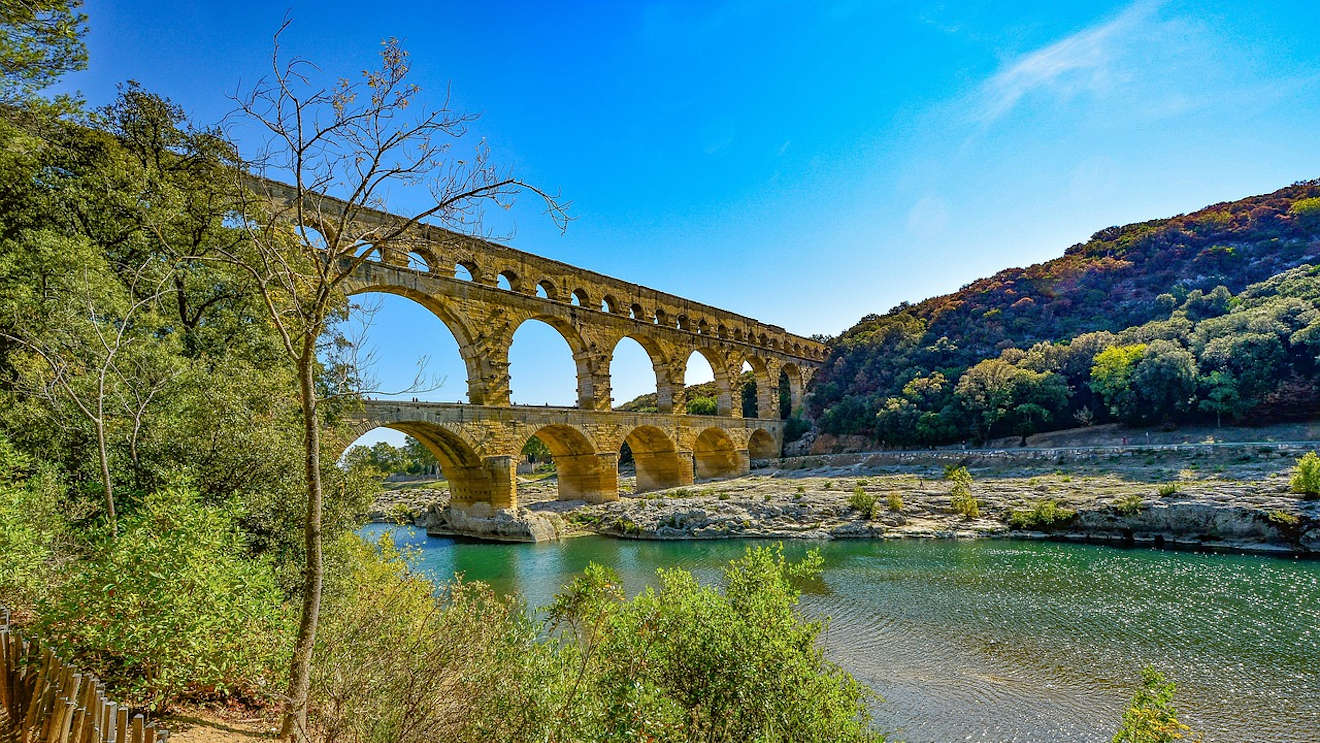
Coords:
479,443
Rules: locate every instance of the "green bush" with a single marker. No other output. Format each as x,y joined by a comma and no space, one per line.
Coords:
1151,717
895,501
689,661
36,531
1130,505
172,608
1283,518
1167,489
961,499
1046,514
862,501
399,662
1306,475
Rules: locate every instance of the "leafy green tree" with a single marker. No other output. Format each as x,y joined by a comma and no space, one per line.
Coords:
688,661
1111,379
1164,380
999,396
1307,213
174,605
1220,396
40,40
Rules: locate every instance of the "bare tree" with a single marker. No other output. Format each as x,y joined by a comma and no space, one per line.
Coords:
338,148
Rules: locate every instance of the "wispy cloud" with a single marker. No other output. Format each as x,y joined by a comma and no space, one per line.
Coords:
1096,59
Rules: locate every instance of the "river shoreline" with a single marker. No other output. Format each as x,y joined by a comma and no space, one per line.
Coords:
1214,498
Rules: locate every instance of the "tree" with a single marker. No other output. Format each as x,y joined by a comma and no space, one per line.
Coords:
1164,380
40,40
1111,378
999,395
1221,396
353,141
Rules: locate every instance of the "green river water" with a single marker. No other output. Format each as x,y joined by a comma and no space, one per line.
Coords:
1006,640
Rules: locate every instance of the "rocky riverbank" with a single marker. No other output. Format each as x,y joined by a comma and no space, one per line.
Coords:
1203,497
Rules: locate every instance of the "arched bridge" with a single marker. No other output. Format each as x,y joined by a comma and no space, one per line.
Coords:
479,446
479,443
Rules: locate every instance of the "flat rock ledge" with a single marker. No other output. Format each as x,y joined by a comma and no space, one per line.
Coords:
480,521
1220,515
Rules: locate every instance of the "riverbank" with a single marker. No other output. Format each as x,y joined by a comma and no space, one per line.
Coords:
1194,496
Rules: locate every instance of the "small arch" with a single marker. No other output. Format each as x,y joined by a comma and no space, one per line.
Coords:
581,473
609,304
637,312
763,339
655,460
508,281
703,327
714,455
762,445
418,262
737,334
467,270
545,288
722,331
660,317
790,391
580,298
683,323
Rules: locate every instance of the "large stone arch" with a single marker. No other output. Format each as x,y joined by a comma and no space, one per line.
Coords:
583,472
660,365
482,367
658,461
767,384
762,445
577,346
723,385
715,454
472,478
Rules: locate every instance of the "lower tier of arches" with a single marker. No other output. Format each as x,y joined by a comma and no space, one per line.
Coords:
479,448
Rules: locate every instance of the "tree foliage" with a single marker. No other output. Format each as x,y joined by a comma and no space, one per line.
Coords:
1215,282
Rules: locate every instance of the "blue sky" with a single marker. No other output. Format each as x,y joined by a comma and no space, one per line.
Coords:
801,163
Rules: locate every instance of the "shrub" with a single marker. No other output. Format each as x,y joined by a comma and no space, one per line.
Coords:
1167,489
862,501
172,608
689,661
1306,475
36,530
1283,518
895,501
961,499
1130,505
398,662
1046,514
829,485
1151,717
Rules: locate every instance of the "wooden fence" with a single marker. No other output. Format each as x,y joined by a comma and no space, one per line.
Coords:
43,700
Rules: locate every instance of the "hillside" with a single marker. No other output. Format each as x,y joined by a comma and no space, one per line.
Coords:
911,361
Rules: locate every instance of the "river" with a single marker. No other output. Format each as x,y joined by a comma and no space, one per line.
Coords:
996,640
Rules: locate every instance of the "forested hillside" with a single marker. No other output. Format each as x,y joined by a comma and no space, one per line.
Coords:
1204,315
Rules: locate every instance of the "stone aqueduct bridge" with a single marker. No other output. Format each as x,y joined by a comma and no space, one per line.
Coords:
478,444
